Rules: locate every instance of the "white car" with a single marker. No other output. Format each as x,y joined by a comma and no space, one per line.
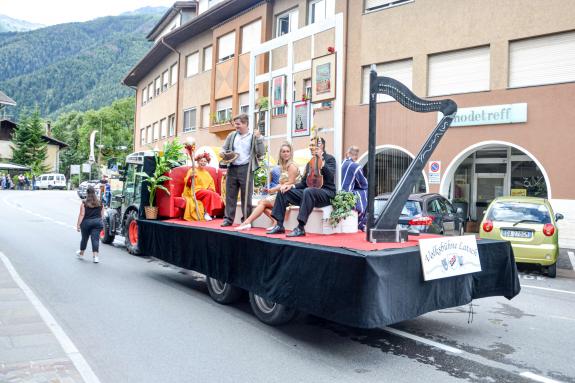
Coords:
51,181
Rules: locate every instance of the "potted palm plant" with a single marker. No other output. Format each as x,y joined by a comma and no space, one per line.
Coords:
171,156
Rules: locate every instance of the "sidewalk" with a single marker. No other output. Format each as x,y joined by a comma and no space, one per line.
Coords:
29,351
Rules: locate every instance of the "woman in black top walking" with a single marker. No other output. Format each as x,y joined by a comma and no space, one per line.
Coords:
90,223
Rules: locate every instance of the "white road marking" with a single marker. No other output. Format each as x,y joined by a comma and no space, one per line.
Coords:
67,345
548,289
571,258
537,378
39,215
423,340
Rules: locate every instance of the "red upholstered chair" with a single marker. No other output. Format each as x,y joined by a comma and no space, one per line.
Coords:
174,205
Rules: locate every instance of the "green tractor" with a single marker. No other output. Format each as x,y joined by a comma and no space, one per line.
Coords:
121,218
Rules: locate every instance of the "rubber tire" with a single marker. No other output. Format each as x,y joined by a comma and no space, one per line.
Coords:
107,238
279,315
224,295
49,187
552,270
132,248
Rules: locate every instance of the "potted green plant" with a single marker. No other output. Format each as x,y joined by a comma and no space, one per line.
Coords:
342,204
170,157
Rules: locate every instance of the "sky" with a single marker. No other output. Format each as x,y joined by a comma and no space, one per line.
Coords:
50,12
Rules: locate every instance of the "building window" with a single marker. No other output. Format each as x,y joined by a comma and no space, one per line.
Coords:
144,95
165,80
190,120
376,5
163,128
158,85
319,10
244,102
398,70
223,110
206,116
150,91
174,74
192,62
307,88
286,22
226,46
251,36
459,72
142,136
172,125
542,60
149,136
156,131
207,58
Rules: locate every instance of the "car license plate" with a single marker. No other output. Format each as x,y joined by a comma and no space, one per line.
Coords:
516,233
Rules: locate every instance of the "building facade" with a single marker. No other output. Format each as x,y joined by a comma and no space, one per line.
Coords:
510,67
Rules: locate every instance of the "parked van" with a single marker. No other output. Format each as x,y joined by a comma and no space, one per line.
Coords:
51,181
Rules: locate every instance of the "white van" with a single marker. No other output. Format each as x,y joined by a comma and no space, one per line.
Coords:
51,181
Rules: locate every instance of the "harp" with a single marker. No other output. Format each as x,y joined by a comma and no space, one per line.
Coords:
385,228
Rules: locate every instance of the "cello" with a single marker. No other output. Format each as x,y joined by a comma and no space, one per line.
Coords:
314,178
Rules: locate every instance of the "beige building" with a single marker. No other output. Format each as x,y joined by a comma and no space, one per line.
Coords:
510,67
52,162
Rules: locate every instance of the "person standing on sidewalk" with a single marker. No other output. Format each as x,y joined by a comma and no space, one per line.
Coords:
90,223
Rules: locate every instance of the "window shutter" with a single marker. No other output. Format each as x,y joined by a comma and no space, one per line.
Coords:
226,46
542,60
398,70
192,64
459,72
251,35
206,116
208,58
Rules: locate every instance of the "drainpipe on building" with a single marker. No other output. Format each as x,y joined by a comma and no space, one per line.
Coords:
178,86
135,88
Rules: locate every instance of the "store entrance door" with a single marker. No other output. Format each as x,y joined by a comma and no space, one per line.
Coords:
488,186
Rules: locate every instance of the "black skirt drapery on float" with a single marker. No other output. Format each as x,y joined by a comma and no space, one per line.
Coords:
364,289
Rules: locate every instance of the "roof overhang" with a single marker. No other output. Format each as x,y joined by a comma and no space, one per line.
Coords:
207,20
169,15
5,100
50,140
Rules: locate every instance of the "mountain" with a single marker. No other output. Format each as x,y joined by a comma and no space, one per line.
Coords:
146,11
74,66
8,24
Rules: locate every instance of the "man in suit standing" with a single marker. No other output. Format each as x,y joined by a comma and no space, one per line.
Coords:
306,197
239,177
353,180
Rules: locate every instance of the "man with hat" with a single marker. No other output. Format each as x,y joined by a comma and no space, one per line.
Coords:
248,147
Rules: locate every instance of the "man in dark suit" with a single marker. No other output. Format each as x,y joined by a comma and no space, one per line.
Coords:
306,197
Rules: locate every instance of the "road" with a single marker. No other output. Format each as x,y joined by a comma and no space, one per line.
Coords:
135,319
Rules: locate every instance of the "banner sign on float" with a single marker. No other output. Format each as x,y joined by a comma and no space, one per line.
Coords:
449,256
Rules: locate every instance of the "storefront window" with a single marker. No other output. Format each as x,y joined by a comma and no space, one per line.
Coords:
527,179
390,165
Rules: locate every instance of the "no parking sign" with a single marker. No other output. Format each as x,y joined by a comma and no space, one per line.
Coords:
434,173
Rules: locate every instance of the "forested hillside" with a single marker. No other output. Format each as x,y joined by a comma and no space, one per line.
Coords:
75,66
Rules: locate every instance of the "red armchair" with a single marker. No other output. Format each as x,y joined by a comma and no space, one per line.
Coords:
174,205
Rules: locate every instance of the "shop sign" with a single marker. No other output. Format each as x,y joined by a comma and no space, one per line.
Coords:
74,169
434,173
519,192
489,115
86,168
449,256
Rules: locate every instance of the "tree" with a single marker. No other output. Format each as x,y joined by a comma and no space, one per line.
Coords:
115,124
28,146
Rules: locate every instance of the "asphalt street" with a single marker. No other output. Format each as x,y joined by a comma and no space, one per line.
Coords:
136,319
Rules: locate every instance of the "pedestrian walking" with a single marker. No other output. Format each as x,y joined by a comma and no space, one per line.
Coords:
90,223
